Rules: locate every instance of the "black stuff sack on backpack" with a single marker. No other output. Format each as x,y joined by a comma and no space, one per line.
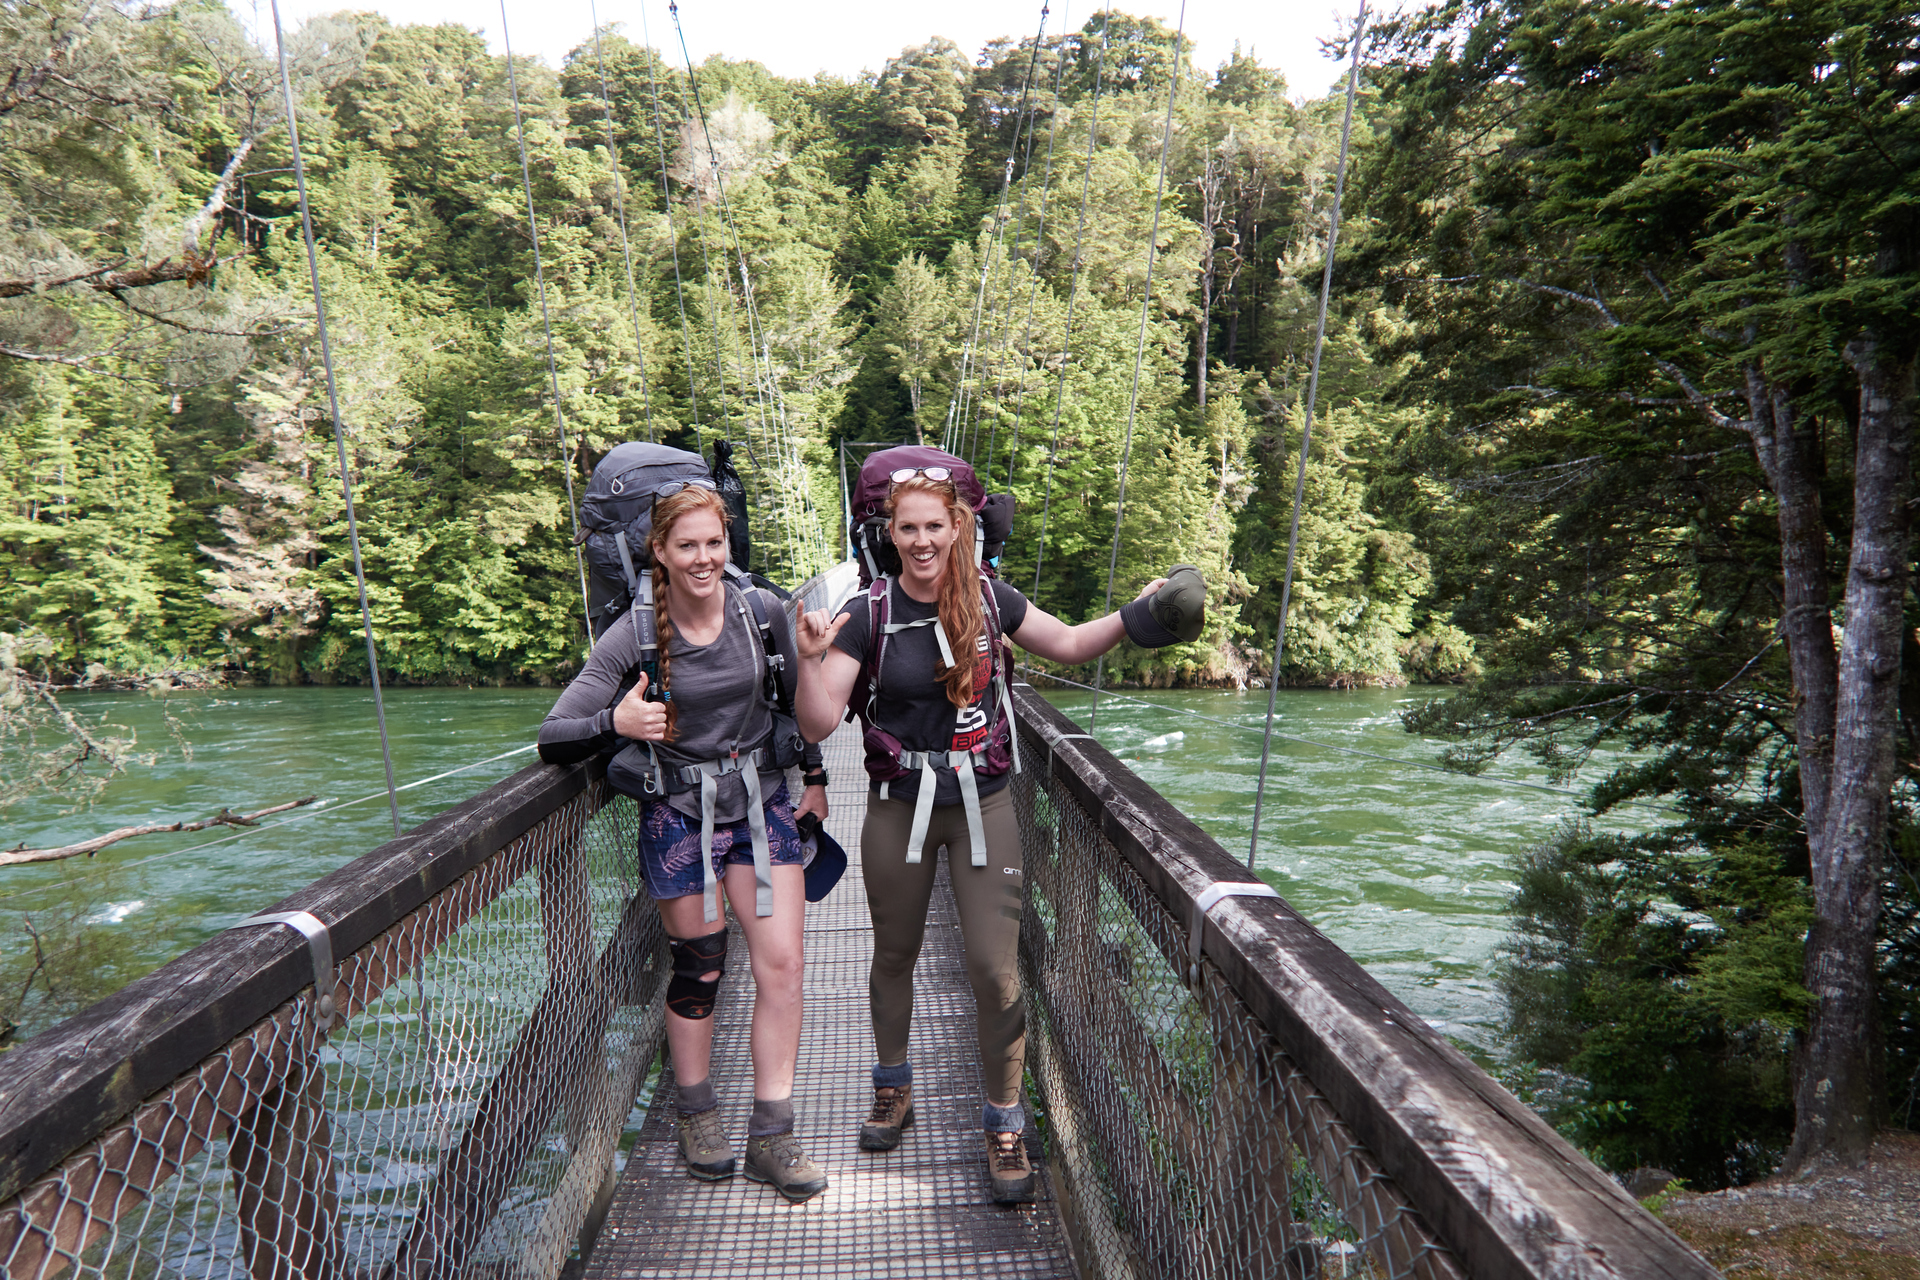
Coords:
733,492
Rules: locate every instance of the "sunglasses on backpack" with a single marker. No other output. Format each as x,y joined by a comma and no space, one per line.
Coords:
905,474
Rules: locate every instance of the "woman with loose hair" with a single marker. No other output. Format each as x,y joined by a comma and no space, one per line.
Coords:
720,828
937,742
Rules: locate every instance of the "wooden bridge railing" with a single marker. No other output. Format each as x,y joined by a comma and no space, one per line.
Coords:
1271,1111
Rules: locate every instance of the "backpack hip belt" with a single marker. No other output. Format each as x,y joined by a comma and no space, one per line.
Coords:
708,774
961,762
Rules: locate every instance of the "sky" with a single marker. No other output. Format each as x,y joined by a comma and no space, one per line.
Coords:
846,37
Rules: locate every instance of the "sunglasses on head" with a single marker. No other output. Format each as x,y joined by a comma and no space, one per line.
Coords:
666,490
905,474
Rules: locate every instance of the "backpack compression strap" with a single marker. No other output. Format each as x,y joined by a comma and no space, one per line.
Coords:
646,638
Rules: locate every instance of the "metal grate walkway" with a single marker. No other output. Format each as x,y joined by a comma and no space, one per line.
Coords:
921,1211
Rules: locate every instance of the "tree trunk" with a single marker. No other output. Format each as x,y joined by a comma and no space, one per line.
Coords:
1793,464
1837,1092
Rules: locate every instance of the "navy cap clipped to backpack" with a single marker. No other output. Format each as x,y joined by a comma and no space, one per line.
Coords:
826,860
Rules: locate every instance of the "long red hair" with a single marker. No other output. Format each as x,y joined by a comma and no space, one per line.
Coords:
668,512
961,616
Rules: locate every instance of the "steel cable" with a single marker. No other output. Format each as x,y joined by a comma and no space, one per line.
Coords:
1010,246
1306,434
546,320
788,458
957,402
1019,230
333,405
1140,347
1039,235
1073,294
620,209
673,234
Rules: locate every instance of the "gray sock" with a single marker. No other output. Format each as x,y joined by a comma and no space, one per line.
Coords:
899,1077
695,1098
1011,1119
770,1118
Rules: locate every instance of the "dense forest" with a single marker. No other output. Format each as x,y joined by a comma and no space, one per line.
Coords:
1613,431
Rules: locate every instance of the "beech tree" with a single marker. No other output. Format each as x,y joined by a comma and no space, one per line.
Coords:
1692,226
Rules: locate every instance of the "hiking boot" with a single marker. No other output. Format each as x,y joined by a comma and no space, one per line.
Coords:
1010,1169
892,1112
778,1159
703,1142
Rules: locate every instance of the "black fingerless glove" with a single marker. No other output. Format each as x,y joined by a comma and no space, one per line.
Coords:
1175,614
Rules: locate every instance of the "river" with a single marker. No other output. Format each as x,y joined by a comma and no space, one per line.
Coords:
1403,866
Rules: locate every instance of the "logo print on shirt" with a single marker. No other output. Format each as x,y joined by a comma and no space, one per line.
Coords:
970,727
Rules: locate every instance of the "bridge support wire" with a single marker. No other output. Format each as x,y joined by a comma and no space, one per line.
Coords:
333,406
1073,296
546,321
1306,433
1140,348
620,208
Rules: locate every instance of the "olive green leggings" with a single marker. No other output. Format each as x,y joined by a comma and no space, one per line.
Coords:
989,899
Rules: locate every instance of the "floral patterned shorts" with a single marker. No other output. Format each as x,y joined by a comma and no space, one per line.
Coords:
670,845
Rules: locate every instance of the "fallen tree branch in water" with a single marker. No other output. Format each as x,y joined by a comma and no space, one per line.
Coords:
225,818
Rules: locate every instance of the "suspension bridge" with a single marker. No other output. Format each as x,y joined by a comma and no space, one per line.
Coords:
446,1058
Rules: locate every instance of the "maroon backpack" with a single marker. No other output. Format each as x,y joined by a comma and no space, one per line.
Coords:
879,562
873,548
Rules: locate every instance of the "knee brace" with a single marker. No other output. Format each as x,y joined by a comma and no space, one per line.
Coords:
688,993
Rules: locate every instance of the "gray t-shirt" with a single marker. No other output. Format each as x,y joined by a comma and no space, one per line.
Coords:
716,687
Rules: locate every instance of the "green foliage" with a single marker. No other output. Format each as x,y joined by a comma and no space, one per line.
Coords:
809,262
1666,984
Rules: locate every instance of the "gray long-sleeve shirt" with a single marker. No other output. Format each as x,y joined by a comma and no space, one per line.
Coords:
716,686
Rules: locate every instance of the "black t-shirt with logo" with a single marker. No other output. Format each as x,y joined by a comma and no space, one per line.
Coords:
909,700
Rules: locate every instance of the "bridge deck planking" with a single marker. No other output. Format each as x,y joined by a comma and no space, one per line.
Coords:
921,1211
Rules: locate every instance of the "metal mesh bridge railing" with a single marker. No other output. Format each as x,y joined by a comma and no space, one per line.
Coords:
460,1114
1258,1106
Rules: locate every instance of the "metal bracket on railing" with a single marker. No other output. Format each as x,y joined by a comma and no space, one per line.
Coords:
320,943
1065,737
1210,897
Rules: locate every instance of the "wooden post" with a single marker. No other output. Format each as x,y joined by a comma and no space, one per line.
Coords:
281,1154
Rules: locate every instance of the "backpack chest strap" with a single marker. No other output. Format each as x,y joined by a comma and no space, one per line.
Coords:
939,634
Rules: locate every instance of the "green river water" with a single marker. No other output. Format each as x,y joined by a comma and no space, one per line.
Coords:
1403,866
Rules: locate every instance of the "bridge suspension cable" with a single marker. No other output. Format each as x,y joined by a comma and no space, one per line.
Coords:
787,474
673,235
1073,293
1039,234
1306,433
961,397
620,209
1140,346
333,406
546,319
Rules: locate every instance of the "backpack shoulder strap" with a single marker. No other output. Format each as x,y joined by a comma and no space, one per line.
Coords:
774,663
879,607
999,678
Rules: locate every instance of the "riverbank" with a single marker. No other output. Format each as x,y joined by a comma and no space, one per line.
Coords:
1859,1224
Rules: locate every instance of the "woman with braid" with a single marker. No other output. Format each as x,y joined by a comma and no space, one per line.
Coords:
722,831
933,722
